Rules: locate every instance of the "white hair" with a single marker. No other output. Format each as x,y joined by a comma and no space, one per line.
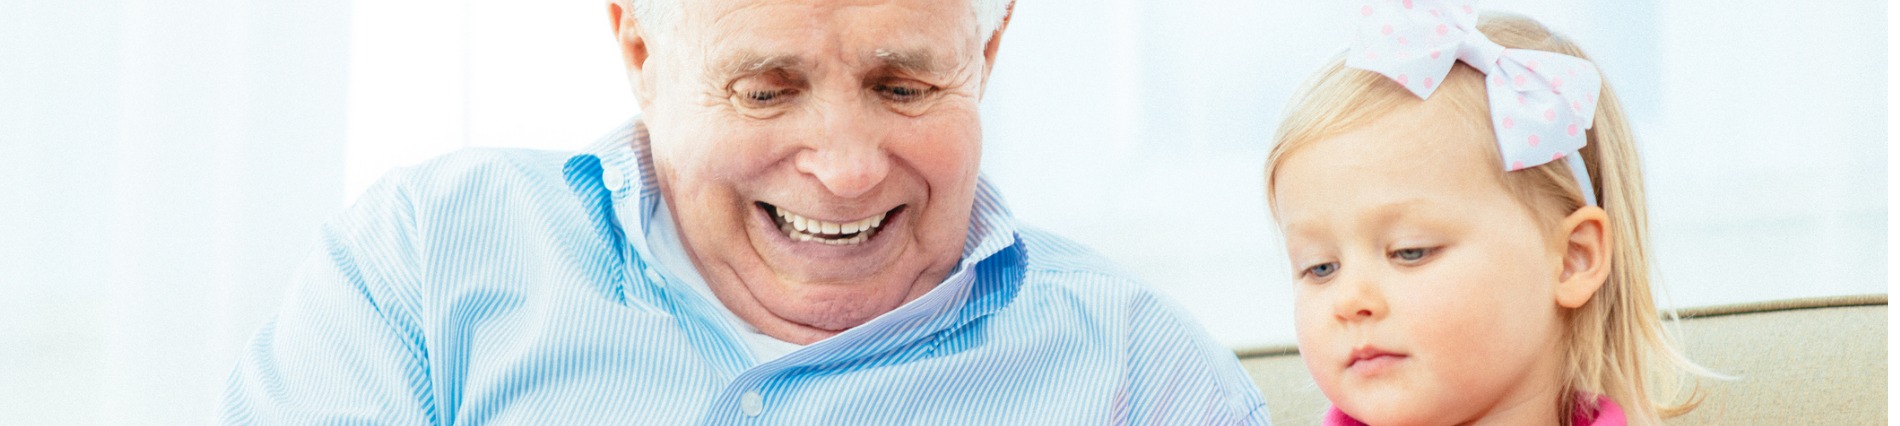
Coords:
989,16
660,15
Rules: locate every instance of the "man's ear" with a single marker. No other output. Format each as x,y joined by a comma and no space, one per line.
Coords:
1586,256
996,40
632,40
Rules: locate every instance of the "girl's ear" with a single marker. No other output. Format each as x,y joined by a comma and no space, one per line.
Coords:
1586,256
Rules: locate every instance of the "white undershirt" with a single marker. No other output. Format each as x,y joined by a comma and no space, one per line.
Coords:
669,253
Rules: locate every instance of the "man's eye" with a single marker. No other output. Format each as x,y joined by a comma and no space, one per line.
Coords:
1323,270
901,93
1411,254
765,98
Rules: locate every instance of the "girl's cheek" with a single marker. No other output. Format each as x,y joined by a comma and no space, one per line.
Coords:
1309,317
1303,302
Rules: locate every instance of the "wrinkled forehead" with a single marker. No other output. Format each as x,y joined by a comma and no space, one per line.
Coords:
852,30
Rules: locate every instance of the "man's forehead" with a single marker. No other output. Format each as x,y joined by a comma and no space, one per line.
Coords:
750,61
909,33
719,7
907,16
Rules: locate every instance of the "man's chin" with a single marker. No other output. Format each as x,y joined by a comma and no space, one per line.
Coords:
839,301
833,287
834,306
819,275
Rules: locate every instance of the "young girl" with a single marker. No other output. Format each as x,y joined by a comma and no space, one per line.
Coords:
1466,229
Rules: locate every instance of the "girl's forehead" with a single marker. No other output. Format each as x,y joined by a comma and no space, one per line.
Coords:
1411,154
1426,138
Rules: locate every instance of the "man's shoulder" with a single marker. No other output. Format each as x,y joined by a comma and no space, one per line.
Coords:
1069,284
1058,265
1073,273
1047,252
463,202
471,183
475,220
482,170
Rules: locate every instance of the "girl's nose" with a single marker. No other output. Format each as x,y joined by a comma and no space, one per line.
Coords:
1359,299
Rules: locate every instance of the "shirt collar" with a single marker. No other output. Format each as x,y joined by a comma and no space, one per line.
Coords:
621,165
626,171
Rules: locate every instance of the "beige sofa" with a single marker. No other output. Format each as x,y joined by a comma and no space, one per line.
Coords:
1796,362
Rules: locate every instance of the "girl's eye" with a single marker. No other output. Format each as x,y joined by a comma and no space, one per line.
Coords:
1411,254
1323,270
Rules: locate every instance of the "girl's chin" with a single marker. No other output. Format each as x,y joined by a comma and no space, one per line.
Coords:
1388,408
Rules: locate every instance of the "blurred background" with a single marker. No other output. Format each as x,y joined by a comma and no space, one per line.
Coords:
165,164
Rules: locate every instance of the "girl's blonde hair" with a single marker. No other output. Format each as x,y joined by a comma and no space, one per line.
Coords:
1616,344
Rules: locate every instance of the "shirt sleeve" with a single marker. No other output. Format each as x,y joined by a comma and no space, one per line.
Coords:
1178,374
344,349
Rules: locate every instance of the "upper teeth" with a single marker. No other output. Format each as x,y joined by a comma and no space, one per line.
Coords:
809,226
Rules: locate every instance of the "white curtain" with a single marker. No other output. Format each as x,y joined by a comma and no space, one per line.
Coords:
166,164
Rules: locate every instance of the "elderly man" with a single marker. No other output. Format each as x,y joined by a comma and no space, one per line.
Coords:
794,231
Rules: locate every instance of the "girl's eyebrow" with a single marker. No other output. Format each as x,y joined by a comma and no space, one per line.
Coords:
1409,210
1376,218
1390,211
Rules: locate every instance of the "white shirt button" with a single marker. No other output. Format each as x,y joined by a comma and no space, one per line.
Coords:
751,403
612,178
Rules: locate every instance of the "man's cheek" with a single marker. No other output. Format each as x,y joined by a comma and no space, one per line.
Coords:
720,157
949,151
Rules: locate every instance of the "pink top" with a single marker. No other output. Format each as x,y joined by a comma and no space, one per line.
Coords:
1607,414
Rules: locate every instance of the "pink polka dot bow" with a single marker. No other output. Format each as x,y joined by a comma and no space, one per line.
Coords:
1541,102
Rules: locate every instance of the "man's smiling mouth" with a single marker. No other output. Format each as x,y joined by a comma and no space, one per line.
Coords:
803,229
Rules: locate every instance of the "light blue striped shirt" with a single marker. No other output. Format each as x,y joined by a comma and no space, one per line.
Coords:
497,286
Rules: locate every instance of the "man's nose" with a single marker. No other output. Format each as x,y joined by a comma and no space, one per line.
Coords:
847,155
1359,298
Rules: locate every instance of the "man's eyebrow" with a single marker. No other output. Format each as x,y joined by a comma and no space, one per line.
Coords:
912,61
752,62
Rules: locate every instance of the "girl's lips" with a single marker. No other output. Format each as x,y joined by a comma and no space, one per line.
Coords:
1372,360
